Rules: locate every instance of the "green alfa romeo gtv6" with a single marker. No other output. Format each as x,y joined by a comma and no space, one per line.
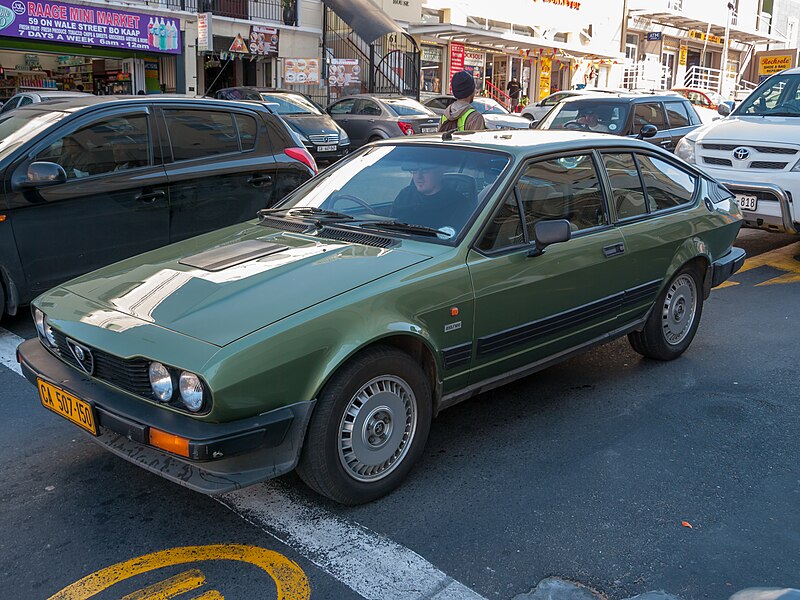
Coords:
325,335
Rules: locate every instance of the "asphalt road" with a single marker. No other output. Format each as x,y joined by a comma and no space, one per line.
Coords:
585,471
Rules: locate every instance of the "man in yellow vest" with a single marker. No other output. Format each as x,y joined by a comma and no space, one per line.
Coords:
461,115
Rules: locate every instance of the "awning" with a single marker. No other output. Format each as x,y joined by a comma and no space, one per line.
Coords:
502,41
366,19
680,20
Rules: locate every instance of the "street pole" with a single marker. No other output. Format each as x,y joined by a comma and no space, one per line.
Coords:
724,71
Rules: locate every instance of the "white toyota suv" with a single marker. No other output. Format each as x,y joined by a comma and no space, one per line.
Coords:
755,152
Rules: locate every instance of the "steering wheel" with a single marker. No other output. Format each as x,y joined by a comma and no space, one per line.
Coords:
350,198
575,125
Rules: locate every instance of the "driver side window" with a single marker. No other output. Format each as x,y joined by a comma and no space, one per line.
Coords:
111,144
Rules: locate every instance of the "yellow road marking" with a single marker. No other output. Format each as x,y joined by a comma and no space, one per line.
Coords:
171,587
782,259
212,595
289,578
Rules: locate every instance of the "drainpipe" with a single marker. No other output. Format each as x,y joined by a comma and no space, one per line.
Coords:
724,65
623,37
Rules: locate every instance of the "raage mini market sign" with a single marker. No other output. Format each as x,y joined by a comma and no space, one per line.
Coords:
89,26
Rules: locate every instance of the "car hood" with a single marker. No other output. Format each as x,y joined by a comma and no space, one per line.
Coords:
207,287
750,129
312,124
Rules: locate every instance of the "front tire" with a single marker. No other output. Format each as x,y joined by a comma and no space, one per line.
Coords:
674,320
369,427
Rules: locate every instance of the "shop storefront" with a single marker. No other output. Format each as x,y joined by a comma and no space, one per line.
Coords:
432,69
60,46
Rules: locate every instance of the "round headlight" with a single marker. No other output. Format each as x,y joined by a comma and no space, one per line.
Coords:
38,319
191,391
160,381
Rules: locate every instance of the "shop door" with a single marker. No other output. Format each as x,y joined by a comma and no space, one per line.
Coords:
668,61
222,169
113,205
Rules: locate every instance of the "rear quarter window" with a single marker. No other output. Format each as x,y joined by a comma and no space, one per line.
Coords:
666,185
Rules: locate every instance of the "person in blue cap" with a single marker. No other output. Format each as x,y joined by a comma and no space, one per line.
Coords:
461,115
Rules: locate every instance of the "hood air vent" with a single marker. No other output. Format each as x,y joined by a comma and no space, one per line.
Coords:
224,257
356,237
287,225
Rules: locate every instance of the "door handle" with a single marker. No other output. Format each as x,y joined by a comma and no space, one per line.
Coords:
614,250
372,120
259,180
150,197
666,144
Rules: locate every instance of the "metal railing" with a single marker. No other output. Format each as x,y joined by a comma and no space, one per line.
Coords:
494,92
675,4
633,78
266,10
703,78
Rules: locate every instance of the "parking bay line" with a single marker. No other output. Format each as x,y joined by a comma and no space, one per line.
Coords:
8,350
369,564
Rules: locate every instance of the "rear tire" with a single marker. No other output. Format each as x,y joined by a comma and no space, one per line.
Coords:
2,301
674,319
374,138
369,427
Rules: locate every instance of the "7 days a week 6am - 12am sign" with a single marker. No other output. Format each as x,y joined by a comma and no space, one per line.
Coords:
89,26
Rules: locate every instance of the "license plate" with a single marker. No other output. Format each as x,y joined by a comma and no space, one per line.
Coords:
326,148
68,406
747,201
428,129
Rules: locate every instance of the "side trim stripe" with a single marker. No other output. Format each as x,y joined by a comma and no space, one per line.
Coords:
455,356
522,334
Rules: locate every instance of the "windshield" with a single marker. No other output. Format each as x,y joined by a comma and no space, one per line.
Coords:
291,104
586,115
430,186
778,96
406,107
17,127
487,106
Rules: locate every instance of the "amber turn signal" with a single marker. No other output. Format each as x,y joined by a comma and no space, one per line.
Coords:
170,443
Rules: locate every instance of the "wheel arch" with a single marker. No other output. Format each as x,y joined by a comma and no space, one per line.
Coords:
695,252
409,341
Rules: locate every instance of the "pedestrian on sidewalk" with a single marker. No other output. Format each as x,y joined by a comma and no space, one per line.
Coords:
461,115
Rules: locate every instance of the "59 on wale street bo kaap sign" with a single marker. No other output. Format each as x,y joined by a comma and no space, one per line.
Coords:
89,26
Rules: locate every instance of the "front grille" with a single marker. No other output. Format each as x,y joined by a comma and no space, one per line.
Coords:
766,164
727,147
129,375
771,150
286,225
356,237
761,149
723,162
322,139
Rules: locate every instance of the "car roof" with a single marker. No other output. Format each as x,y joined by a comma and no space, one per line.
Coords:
271,90
87,101
522,140
628,98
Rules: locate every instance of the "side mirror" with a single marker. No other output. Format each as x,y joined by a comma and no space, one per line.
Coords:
43,174
725,108
549,232
647,131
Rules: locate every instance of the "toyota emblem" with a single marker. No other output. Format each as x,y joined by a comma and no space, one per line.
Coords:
741,154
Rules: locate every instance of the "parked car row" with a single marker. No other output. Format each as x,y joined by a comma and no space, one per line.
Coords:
326,333
91,180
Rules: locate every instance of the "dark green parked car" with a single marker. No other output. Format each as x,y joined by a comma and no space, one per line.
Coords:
327,334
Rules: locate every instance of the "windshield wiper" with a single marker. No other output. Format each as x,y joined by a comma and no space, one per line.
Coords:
308,211
400,226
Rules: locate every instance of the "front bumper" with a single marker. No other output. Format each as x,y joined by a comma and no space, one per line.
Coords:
777,194
727,265
224,456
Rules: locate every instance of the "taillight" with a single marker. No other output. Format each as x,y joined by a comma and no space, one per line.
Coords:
304,157
406,128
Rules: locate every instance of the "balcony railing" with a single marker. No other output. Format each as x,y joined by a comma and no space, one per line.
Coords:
268,10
